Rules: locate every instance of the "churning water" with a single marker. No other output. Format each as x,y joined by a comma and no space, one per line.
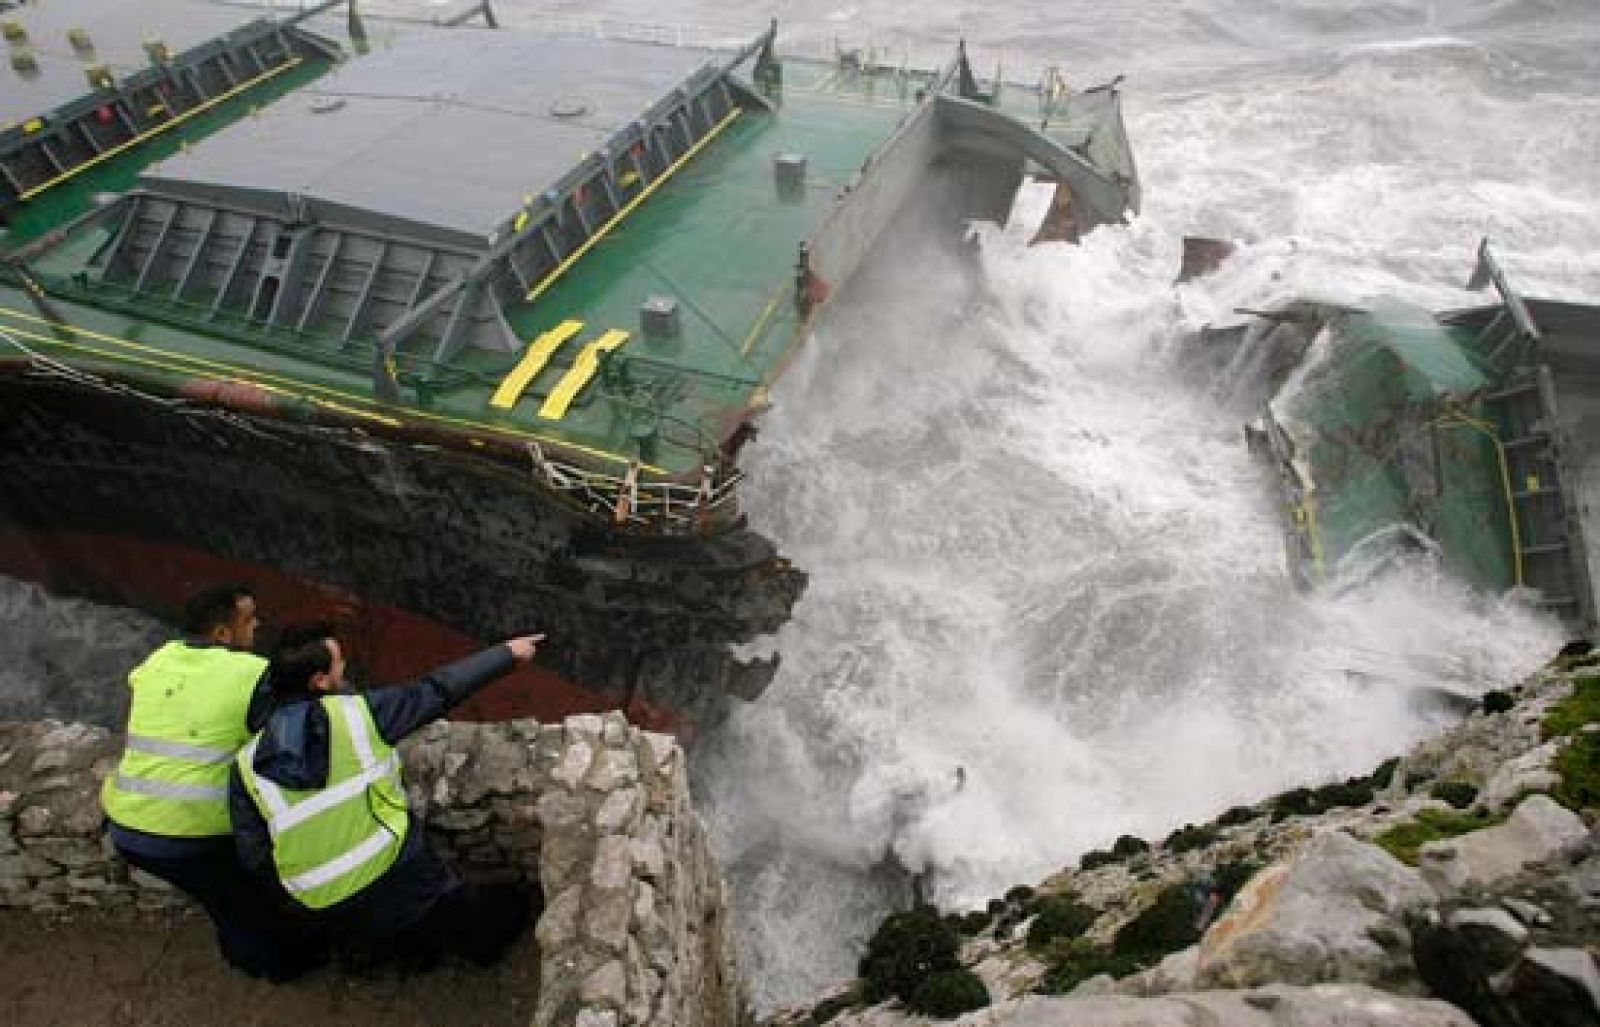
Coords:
1048,603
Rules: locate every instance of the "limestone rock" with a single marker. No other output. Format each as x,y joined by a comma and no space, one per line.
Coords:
607,985
613,862
1529,772
1174,973
1528,912
557,810
1494,933
1556,988
619,810
612,769
1323,1005
574,763
606,922
1310,920
1537,830
558,924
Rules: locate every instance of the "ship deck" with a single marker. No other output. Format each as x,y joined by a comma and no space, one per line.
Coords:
713,235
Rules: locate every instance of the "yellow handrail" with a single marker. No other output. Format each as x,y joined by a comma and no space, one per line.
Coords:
561,269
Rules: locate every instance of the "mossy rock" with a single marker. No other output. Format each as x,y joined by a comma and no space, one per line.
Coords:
949,993
1403,840
974,922
1572,713
1097,858
1070,963
1296,802
906,948
1459,794
1578,763
1166,926
1060,916
1237,815
1308,802
1230,878
1189,837
1129,845
1578,653
1496,700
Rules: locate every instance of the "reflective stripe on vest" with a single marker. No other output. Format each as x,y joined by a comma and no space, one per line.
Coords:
185,724
331,842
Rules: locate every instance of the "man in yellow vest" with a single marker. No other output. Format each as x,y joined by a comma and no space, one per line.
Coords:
318,803
166,801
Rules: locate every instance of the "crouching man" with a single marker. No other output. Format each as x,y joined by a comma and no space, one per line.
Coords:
318,802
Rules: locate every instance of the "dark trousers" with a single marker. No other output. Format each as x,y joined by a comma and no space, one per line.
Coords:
256,934
477,923
420,909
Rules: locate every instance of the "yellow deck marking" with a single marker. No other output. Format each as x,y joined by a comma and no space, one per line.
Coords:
584,368
306,390
164,126
644,194
532,362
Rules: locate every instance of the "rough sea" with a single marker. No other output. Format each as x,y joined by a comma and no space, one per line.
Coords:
1048,601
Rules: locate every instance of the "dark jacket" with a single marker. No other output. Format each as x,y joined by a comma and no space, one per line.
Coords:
294,752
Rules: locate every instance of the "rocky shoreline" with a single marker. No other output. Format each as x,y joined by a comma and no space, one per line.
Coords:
1458,883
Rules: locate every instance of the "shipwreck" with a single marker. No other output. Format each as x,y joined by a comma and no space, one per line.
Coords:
448,331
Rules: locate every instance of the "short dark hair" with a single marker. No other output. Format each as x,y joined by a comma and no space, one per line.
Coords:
301,654
212,608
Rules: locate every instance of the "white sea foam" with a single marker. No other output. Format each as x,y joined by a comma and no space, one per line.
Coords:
1039,551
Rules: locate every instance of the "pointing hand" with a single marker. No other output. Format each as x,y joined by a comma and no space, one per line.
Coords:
524,647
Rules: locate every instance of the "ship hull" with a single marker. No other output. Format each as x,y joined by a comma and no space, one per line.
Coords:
417,553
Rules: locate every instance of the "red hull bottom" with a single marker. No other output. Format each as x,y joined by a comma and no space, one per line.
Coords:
385,643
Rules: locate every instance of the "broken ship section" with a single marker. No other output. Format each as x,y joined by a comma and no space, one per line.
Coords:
466,336
1470,435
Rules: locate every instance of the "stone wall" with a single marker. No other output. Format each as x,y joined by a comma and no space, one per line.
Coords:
634,930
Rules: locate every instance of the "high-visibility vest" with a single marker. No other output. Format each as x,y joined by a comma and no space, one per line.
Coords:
186,724
329,843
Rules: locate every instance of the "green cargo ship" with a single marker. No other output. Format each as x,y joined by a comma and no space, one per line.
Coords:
451,330
1469,436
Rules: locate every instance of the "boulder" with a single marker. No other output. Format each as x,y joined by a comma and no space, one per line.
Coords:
1529,772
1315,919
1556,988
1493,933
1538,829
1323,1005
1174,973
